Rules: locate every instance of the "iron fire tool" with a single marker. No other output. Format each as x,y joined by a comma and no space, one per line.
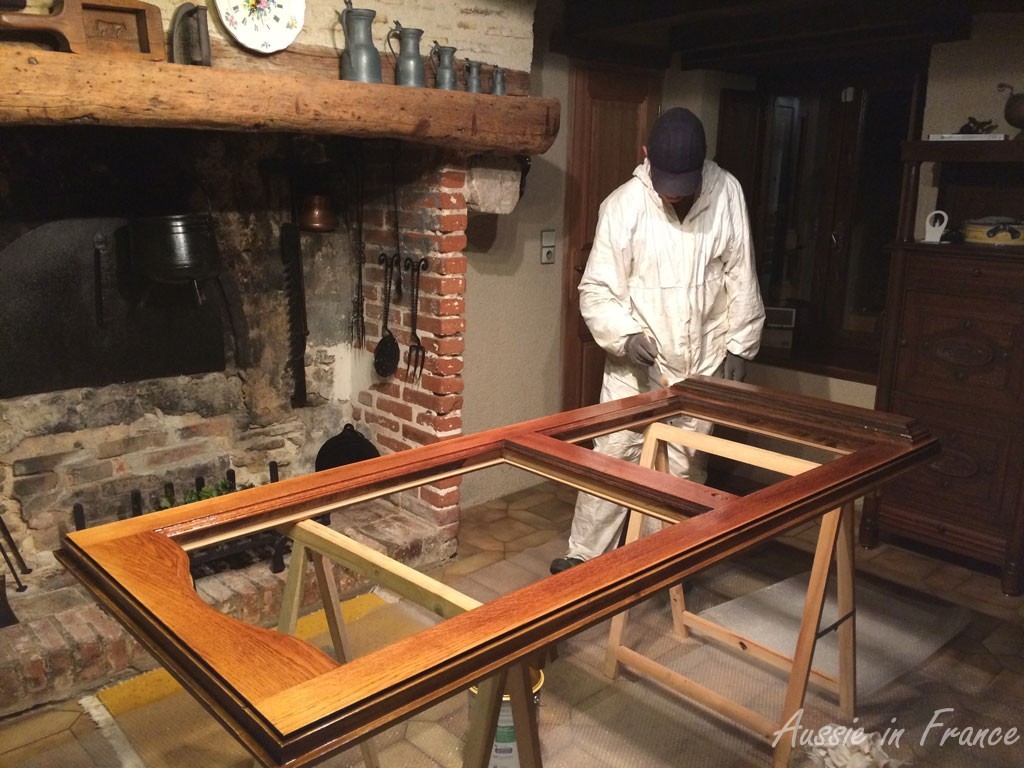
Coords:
385,356
295,292
358,317
398,231
7,617
417,354
10,566
6,533
294,287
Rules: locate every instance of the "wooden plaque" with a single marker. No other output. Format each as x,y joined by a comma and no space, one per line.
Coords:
99,27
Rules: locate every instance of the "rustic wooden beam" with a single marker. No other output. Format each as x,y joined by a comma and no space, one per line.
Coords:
54,88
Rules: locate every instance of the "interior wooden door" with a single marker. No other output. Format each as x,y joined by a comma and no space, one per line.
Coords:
612,112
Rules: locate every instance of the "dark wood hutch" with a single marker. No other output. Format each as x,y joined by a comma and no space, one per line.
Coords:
953,357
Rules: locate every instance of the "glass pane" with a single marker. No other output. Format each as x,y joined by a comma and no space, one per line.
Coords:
876,207
793,200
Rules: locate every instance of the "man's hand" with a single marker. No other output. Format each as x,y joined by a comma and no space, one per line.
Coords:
641,350
735,367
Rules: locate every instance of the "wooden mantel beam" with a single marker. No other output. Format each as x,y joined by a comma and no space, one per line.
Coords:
54,88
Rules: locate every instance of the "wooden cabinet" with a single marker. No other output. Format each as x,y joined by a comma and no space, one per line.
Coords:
953,357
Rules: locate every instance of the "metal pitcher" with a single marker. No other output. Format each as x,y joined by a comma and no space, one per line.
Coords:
409,69
473,76
360,61
443,59
498,82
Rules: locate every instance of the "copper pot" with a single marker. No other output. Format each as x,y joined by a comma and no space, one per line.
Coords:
317,214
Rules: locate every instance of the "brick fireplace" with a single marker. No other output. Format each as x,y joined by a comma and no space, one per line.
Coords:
90,142
94,446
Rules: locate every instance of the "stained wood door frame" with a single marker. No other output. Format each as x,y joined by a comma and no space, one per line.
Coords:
583,195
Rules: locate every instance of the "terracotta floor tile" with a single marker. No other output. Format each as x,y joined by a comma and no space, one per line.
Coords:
33,727
530,540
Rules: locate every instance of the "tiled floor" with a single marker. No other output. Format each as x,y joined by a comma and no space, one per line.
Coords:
585,718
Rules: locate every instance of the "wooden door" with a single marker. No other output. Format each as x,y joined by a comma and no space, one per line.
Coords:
824,210
611,115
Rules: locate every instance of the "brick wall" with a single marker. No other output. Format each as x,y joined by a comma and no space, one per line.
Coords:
403,411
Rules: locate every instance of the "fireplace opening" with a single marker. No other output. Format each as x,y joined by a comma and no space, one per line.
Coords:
112,271
75,314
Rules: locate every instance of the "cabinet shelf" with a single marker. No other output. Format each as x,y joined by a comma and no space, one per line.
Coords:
1008,151
54,88
969,249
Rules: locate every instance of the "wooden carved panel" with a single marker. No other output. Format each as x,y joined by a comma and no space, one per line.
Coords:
963,349
975,475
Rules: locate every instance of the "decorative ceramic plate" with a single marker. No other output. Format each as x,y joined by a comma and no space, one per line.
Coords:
263,25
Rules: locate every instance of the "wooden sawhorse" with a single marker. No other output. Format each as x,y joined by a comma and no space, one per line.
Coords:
316,543
835,538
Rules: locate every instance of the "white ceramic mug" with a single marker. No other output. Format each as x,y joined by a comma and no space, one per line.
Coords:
934,226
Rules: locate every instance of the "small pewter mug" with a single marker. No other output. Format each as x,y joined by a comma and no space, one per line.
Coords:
443,58
473,76
498,82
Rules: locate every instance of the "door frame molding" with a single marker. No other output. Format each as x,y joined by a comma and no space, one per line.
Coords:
580,136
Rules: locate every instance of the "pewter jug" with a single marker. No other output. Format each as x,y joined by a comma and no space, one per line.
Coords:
360,61
498,82
473,76
443,58
409,68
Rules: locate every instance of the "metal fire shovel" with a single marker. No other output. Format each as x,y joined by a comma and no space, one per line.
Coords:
385,356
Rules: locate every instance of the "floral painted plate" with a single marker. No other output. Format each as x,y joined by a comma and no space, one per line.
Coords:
263,25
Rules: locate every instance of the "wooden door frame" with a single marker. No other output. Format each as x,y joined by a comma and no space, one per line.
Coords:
579,127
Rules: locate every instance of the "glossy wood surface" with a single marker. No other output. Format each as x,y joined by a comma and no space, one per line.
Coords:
292,705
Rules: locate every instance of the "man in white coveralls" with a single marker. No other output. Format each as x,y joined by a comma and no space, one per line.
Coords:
669,291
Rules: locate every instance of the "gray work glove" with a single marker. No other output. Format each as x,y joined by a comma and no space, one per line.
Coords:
735,367
641,350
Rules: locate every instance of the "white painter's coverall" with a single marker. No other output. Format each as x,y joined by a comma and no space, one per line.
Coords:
690,286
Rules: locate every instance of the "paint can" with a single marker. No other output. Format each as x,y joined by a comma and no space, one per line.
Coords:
504,753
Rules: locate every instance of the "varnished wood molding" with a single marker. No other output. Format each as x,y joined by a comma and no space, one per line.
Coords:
290,705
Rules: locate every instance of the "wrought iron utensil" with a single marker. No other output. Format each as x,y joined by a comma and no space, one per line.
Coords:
417,354
385,356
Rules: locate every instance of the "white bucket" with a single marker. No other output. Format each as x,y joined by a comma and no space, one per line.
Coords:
504,753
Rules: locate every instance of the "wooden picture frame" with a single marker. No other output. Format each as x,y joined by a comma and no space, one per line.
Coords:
290,704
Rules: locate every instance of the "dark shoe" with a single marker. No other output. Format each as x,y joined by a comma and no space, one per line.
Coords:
560,564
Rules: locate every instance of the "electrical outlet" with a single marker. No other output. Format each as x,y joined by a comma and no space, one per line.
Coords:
547,246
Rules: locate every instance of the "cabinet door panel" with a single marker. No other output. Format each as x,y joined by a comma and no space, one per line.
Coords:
960,350
975,481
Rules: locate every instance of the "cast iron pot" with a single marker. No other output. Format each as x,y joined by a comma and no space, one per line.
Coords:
173,249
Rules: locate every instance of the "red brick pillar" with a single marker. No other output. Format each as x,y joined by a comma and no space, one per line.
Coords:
403,412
